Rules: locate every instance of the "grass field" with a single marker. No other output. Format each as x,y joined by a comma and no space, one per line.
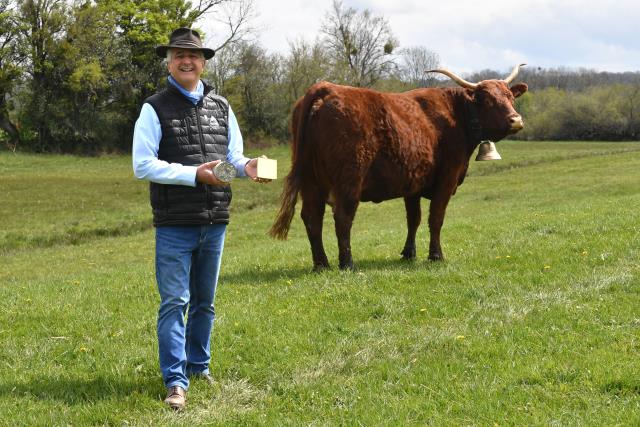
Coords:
533,319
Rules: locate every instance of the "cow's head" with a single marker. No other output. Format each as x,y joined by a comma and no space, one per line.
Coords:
492,103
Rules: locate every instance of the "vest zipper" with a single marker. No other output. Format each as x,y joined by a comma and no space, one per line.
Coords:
204,156
165,196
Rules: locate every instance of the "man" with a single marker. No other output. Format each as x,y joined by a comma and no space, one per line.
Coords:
181,134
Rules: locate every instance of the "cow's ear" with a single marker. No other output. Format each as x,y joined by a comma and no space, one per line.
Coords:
519,89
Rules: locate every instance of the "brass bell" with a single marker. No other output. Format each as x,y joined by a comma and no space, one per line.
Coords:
487,151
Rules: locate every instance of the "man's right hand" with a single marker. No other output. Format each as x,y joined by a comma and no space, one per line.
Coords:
205,174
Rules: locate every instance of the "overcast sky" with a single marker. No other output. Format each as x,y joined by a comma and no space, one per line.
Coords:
472,35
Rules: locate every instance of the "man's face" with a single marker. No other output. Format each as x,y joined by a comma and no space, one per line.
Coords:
186,66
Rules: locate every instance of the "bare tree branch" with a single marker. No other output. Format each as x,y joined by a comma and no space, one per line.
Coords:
414,61
235,17
205,6
360,41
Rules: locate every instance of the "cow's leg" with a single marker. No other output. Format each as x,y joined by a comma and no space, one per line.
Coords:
437,208
343,213
313,205
414,215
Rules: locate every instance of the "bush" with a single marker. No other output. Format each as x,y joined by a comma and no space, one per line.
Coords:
606,113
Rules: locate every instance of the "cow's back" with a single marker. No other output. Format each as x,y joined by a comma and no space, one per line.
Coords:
378,145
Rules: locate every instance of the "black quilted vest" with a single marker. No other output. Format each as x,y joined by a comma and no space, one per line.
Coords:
191,135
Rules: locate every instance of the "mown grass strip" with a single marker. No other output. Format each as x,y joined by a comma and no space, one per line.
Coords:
497,166
106,201
13,241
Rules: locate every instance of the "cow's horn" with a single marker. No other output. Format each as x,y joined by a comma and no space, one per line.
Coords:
462,82
514,73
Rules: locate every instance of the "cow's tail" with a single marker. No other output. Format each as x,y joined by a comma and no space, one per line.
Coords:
289,196
288,199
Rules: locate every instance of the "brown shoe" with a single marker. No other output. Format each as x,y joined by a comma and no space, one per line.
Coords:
176,398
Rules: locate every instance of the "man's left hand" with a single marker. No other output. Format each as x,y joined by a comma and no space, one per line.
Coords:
251,169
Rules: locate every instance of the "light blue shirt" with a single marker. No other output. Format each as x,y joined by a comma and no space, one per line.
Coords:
146,143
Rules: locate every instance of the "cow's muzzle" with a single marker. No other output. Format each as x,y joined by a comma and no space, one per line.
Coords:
516,123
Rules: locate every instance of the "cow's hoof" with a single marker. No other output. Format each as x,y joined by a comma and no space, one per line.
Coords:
408,254
436,257
347,267
320,267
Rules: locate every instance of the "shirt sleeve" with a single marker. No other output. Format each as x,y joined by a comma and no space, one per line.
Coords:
146,142
235,154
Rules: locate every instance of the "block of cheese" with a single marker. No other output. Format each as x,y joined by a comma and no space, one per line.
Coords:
267,168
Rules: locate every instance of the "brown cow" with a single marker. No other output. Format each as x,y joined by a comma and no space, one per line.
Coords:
354,144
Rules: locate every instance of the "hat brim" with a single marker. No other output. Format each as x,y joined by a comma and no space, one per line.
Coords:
161,50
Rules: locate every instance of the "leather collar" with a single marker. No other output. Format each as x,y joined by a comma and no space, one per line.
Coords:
474,127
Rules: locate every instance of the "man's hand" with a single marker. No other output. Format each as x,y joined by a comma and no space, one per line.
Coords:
251,169
205,174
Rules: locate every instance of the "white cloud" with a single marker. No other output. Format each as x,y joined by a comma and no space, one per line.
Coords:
471,35
286,21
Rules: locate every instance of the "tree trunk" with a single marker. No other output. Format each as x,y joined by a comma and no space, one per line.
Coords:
10,129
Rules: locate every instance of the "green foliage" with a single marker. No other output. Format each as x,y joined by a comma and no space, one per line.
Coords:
393,85
597,113
306,64
12,55
254,89
531,320
92,65
88,76
11,48
73,75
43,24
140,26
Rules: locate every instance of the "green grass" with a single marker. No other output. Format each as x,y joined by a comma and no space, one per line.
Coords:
532,319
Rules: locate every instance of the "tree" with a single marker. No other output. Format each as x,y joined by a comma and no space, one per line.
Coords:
44,23
93,85
630,107
143,24
234,16
414,63
306,64
264,109
12,56
223,66
360,45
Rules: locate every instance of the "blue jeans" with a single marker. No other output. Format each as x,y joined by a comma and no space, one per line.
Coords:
187,266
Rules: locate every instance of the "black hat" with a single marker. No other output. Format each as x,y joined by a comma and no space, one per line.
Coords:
184,38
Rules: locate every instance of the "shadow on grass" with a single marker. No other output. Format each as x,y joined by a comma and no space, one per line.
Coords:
261,275
398,264
253,275
73,391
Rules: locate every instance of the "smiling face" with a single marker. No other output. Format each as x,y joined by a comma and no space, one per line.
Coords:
186,67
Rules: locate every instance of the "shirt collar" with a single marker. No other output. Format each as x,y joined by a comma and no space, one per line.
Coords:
194,96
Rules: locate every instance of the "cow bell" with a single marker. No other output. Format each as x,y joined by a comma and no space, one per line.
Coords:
487,151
